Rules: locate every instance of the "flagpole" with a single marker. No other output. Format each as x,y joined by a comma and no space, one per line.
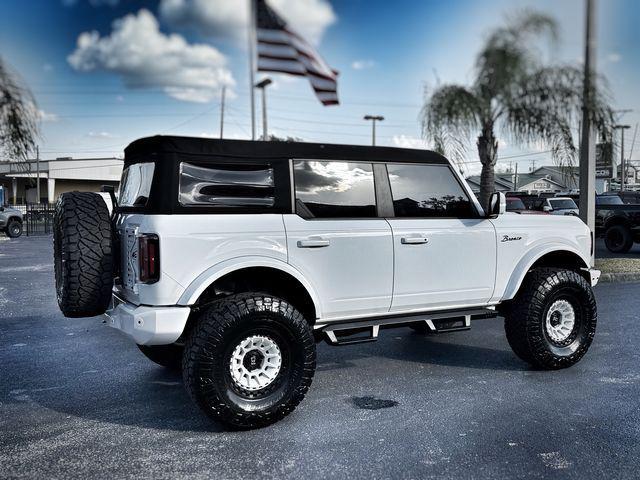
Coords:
252,56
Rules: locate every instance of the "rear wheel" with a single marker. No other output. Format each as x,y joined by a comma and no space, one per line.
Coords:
249,360
14,228
168,356
552,320
618,239
83,254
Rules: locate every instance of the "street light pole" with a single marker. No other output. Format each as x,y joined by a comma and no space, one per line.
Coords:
374,119
587,142
224,91
623,169
262,85
38,174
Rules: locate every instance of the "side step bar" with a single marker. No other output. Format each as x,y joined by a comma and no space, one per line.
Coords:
367,329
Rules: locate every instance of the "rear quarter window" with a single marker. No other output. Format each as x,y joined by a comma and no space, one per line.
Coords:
226,185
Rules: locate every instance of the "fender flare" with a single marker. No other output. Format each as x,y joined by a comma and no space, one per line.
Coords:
528,260
219,270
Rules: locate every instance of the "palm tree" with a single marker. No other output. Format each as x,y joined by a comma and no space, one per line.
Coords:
18,117
516,96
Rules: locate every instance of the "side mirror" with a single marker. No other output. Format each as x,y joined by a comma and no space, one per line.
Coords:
497,204
547,208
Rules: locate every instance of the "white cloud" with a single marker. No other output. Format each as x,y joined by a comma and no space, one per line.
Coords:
229,18
614,57
101,135
47,117
406,141
144,57
47,67
363,64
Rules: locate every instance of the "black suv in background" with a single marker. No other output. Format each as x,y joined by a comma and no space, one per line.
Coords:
617,222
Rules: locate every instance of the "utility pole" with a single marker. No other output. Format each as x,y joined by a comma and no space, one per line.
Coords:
623,171
262,85
37,174
374,119
224,89
587,141
635,134
515,179
252,63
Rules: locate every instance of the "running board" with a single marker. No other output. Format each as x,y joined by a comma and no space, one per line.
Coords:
367,329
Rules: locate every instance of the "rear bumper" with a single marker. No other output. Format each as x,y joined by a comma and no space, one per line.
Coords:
147,325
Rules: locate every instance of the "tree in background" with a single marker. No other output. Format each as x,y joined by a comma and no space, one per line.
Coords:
516,96
18,117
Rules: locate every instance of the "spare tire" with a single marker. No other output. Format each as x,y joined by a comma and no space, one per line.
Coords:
83,254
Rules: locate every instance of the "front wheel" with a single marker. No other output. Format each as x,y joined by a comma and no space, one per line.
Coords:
552,320
14,229
249,360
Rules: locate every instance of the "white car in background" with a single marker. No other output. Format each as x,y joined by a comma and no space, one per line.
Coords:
560,206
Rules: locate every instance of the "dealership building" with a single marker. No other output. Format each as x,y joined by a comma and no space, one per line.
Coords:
58,176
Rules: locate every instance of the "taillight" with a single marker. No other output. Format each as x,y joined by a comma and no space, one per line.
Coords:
149,258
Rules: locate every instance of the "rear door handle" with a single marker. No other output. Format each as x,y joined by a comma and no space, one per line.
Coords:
313,242
414,240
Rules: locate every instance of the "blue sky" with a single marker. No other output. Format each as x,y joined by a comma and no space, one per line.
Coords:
157,66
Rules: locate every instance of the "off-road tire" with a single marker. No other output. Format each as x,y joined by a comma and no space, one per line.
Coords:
525,319
618,239
14,228
168,356
83,254
206,364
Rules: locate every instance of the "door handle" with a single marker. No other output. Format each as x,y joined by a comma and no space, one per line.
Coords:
313,242
414,240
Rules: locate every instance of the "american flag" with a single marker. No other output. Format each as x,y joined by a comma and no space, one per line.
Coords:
282,50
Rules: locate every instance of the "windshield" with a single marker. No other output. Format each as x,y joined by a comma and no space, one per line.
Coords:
136,185
609,200
562,204
515,204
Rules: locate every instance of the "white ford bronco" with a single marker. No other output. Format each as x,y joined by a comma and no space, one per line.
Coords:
231,259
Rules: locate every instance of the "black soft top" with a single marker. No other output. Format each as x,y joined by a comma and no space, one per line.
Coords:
257,149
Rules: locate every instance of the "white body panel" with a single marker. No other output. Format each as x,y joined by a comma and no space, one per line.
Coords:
192,244
452,263
352,271
523,239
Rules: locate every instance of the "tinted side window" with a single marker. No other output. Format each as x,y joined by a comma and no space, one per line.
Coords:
334,189
427,191
227,185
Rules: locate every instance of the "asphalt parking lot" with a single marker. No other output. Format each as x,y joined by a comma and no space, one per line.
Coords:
78,400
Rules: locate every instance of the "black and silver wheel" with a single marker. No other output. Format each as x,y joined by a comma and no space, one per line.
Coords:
618,239
249,360
14,228
168,356
552,320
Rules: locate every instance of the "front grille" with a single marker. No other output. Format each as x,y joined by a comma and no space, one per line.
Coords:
130,262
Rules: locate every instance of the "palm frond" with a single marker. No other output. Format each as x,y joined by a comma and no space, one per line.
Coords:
452,114
509,52
18,117
545,106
